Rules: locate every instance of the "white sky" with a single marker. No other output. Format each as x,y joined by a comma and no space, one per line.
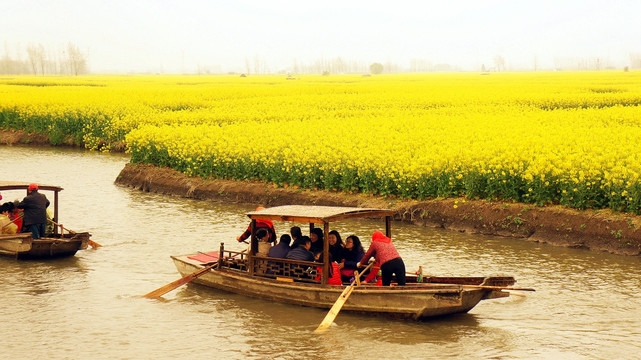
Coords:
179,35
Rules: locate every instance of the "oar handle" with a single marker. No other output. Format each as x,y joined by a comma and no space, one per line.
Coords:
92,243
55,223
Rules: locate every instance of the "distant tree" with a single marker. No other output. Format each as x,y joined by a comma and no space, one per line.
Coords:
76,60
635,60
376,68
499,62
37,58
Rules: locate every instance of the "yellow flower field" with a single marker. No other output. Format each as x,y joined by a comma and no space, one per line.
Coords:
568,138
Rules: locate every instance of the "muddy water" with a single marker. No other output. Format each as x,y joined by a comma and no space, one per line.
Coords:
88,306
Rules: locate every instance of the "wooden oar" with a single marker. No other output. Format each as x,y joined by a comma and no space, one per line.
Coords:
178,283
92,243
338,305
472,286
182,281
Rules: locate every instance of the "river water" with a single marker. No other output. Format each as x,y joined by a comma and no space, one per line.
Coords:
586,306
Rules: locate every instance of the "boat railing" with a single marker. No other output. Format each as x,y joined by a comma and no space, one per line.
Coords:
269,267
296,270
236,260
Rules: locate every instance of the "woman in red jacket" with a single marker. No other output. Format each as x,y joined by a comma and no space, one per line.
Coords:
385,254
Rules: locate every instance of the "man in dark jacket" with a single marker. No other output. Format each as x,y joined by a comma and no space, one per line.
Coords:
35,211
282,249
300,250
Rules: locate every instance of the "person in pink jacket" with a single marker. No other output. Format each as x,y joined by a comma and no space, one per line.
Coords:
385,254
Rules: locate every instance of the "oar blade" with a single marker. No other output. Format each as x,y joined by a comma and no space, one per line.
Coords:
336,308
94,244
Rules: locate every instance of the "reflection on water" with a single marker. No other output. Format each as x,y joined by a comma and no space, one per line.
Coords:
88,306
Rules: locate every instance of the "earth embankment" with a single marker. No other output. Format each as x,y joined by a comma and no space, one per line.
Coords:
599,230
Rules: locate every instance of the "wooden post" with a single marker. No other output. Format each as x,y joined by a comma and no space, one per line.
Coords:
388,226
253,239
325,274
220,256
252,250
55,213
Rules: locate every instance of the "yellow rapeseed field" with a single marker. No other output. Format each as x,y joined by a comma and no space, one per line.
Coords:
569,138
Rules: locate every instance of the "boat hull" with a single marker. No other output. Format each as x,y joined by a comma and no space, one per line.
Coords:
410,302
22,246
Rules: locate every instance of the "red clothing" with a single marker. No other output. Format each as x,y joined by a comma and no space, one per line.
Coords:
260,224
15,217
335,274
381,248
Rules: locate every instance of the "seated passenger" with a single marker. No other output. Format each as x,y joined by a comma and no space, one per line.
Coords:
6,225
296,233
263,242
282,249
352,254
16,214
300,250
316,235
335,245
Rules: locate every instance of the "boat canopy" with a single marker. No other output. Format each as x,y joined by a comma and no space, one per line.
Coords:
316,214
16,185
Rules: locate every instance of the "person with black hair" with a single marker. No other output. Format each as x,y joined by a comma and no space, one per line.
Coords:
352,253
300,250
335,246
296,233
282,249
316,235
6,225
263,242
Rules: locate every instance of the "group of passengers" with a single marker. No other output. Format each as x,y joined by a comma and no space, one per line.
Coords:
345,257
29,215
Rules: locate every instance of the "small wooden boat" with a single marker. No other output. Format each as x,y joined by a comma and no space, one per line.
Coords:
298,282
58,244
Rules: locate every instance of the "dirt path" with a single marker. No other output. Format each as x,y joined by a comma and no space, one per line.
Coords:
599,230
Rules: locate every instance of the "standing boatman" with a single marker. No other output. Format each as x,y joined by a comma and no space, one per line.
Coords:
35,211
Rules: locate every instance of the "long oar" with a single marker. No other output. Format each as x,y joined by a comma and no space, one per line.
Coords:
338,305
178,283
92,243
472,286
182,281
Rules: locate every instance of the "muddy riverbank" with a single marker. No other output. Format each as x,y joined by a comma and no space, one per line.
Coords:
599,230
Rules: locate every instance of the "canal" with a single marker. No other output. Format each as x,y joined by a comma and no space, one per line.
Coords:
586,306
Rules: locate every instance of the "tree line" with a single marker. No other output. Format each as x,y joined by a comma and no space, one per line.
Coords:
38,60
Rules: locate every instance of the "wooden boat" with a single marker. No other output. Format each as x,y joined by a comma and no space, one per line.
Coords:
58,244
298,282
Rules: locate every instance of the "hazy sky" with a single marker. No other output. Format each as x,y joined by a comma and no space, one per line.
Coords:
176,36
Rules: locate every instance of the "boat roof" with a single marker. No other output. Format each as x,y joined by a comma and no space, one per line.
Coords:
316,214
17,185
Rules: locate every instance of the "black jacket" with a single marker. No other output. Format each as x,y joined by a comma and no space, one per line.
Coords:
300,253
35,208
279,251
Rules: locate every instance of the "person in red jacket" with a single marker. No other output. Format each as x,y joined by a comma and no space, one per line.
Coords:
260,224
385,254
